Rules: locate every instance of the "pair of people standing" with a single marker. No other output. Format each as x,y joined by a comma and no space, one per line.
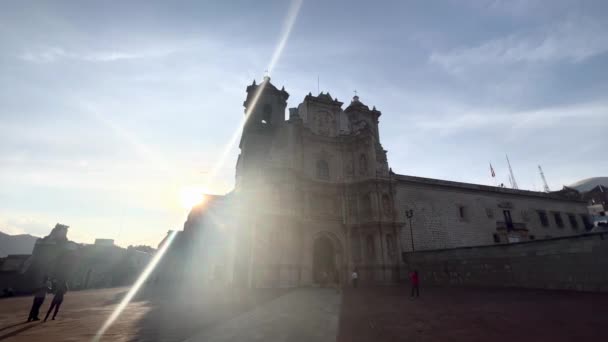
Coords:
39,296
58,288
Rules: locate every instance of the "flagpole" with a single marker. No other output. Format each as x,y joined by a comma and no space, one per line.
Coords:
493,174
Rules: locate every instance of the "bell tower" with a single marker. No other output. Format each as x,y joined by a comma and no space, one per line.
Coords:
265,105
264,113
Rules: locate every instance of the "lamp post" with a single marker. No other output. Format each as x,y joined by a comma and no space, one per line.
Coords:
409,214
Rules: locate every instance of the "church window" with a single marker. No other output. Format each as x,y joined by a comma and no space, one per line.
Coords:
362,165
573,221
322,169
542,216
558,219
266,114
496,238
462,212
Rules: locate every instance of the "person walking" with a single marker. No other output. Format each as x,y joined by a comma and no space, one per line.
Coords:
60,291
39,296
415,282
355,278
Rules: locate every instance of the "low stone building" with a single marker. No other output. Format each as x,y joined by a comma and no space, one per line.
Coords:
102,264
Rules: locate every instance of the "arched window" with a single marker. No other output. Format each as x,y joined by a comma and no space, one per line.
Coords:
362,165
266,114
322,169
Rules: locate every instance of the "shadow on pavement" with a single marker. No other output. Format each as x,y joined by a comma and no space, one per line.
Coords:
18,331
12,326
117,298
177,315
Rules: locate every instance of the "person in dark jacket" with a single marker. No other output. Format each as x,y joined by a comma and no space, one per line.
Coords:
415,282
39,296
59,290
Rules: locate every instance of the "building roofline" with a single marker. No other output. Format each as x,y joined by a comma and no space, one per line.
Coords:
481,188
584,235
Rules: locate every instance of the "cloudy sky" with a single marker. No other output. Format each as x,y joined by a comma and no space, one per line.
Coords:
112,112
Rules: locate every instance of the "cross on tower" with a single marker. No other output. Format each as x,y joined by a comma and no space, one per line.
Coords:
355,92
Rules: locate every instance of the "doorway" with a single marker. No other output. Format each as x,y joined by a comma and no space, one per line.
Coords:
324,260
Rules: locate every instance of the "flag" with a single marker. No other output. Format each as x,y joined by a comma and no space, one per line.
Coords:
492,171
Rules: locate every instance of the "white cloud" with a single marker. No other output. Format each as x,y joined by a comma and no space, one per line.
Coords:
571,40
52,54
518,121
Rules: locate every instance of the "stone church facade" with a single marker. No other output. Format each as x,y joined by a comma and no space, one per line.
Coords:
314,196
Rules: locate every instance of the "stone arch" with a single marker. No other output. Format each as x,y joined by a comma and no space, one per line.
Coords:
327,257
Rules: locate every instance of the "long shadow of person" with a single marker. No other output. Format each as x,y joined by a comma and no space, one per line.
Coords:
12,326
18,331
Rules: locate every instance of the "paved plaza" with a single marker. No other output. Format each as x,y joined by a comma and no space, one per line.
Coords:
313,314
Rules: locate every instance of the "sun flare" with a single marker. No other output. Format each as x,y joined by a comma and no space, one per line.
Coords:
191,196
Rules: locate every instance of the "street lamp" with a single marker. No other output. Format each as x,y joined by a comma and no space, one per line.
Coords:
409,214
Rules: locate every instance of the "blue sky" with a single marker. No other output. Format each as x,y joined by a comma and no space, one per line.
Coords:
110,111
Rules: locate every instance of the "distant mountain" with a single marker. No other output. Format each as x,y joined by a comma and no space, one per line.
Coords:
16,244
589,183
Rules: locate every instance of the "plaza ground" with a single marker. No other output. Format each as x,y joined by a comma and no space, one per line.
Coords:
313,314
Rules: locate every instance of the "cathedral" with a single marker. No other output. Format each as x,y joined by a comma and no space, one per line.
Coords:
314,195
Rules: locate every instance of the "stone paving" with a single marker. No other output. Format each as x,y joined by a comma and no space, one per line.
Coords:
459,314
224,315
304,315
368,314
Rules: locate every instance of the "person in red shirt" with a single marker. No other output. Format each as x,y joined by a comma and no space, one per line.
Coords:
415,282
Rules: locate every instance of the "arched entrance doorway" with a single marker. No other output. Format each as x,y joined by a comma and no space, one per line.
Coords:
324,260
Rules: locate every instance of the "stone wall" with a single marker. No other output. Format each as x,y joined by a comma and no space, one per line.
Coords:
568,263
